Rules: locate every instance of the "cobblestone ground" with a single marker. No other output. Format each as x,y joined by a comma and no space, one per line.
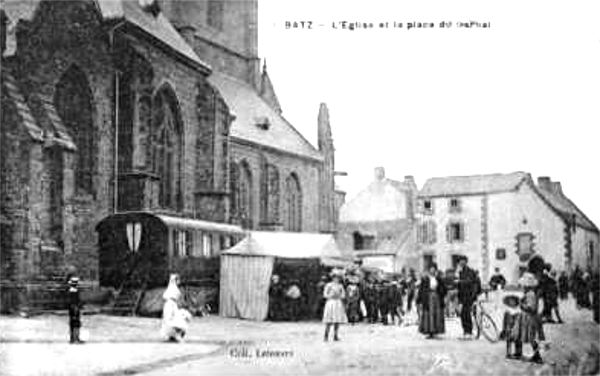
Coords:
220,346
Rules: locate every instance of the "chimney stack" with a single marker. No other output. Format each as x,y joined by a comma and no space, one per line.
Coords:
545,183
379,173
557,188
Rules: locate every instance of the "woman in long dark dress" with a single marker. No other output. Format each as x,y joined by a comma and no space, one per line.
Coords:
430,299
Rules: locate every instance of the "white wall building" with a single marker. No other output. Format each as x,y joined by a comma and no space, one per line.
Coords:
501,220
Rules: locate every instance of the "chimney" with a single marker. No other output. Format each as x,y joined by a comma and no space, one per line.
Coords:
545,183
379,173
557,188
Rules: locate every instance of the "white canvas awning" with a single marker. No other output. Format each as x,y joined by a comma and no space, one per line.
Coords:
290,245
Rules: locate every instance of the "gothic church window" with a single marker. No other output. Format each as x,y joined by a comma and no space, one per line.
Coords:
167,150
293,203
245,195
73,101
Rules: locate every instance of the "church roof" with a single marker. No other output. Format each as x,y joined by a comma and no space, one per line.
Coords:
472,185
267,90
258,122
129,10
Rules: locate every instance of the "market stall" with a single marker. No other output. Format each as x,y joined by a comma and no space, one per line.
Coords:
246,268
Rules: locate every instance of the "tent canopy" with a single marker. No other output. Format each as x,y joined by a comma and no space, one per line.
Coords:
247,267
290,245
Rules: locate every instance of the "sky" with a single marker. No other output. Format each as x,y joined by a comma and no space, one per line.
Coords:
520,95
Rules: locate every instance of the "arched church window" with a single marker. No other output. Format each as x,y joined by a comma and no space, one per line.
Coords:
293,202
245,195
73,101
167,149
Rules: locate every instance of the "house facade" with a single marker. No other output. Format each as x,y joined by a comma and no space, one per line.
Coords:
378,223
113,106
501,221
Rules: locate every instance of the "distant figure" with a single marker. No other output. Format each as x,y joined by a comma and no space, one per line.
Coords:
293,296
411,288
469,288
550,296
497,282
175,320
370,300
334,313
275,299
75,307
430,299
563,285
320,300
353,302
396,297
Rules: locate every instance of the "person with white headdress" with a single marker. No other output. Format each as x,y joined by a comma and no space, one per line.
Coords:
174,320
334,313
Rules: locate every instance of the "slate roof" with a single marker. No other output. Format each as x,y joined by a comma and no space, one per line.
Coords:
567,208
472,185
129,10
495,183
249,108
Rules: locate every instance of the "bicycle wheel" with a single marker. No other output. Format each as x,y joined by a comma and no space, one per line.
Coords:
489,328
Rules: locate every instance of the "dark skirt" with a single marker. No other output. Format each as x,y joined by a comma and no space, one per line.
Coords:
432,317
508,323
528,328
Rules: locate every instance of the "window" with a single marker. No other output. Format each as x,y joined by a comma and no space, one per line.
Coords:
269,194
426,206
293,203
500,254
426,233
179,243
590,254
244,200
215,14
454,205
455,232
206,245
525,246
358,241
368,242
73,101
167,145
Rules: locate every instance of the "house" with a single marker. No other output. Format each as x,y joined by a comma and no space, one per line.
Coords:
501,221
378,223
114,106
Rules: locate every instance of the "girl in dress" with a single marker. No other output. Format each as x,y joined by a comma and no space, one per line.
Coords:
430,299
528,328
334,313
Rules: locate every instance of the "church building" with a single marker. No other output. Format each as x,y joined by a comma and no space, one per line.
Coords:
121,115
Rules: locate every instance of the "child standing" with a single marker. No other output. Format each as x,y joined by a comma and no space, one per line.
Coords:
511,317
74,305
528,328
334,313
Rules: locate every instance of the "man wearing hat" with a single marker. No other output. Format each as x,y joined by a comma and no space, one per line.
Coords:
74,305
468,290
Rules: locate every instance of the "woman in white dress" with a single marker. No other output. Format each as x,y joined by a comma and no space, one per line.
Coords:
334,312
174,319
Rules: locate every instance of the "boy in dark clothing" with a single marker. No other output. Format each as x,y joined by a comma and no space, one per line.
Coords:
74,305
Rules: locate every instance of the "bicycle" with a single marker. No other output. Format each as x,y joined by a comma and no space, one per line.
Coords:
484,323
